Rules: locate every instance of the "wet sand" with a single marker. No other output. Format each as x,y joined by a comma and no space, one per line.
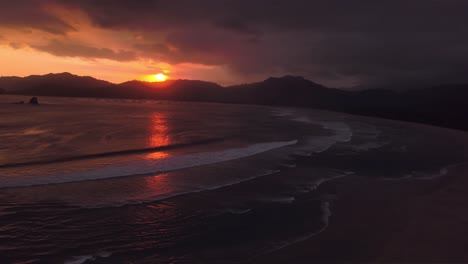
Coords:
390,221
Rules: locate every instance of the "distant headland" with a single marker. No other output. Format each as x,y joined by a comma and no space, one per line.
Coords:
441,105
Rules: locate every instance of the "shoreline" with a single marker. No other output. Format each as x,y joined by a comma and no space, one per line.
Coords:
378,221
354,115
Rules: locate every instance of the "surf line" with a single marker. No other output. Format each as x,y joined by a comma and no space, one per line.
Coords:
112,153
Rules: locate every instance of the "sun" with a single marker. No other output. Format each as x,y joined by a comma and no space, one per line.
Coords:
160,77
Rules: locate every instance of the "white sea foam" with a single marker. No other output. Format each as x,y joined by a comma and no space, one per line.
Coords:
303,119
146,166
237,210
326,214
417,175
341,132
281,199
369,146
442,172
282,112
314,185
289,165
82,259
160,197
79,259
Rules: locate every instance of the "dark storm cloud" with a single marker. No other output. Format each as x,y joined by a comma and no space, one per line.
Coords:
336,15
331,41
396,57
31,14
375,42
69,49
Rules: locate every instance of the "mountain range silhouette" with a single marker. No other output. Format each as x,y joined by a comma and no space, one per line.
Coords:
441,105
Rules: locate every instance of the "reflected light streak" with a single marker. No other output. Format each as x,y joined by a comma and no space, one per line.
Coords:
158,135
159,185
158,155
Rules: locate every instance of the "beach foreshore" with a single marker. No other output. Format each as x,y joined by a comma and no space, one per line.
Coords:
390,221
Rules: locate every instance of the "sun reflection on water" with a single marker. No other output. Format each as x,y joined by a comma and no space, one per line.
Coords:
158,135
159,185
158,155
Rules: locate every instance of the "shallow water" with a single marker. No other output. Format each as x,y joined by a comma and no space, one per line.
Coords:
116,181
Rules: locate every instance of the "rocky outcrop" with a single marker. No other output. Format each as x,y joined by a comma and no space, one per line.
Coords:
34,101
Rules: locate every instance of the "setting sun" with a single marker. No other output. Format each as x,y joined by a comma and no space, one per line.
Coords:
160,77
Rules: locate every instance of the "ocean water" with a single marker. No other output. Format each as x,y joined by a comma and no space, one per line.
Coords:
135,181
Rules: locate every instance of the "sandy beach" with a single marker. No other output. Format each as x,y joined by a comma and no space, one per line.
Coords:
390,221
298,186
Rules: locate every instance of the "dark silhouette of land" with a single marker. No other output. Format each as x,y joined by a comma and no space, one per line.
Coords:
442,105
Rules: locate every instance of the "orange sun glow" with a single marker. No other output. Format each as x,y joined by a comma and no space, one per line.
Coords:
160,77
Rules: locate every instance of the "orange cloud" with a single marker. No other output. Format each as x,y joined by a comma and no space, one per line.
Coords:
71,49
65,39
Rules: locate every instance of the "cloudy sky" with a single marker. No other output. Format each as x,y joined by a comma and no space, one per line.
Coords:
339,43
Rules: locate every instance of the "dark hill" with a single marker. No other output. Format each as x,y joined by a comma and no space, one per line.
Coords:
288,90
442,105
60,84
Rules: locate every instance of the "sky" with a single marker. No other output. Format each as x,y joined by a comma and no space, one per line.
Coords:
337,43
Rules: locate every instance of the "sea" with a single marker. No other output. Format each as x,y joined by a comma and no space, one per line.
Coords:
86,180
